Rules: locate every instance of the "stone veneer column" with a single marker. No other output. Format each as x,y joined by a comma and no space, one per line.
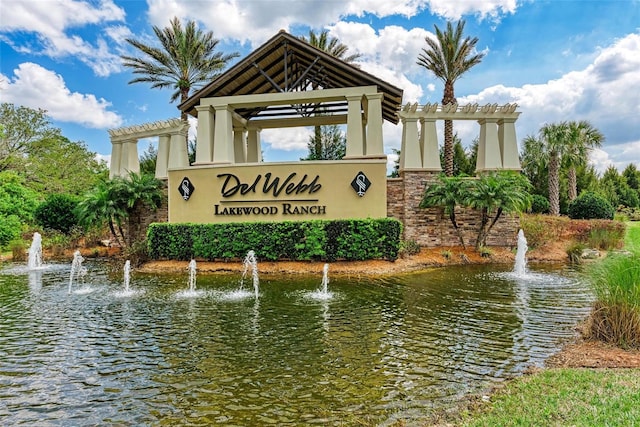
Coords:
205,141
223,135
355,143
508,144
162,161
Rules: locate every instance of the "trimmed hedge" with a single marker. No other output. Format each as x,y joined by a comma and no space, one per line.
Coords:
306,240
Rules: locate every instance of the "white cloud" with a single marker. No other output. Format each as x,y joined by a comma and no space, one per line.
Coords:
605,93
36,87
54,21
286,139
256,21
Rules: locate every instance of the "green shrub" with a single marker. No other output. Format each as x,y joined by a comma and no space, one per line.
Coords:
409,247
539,204
574,252
305,240
10,228
57,213
591,205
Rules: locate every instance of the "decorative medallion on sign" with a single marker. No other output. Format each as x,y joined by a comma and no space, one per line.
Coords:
361,183
186,188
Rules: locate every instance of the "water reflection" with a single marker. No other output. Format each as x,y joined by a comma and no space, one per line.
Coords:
381,350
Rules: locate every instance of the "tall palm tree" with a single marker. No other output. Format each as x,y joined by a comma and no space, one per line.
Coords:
186,59
582,137
335,48
554,146
448,57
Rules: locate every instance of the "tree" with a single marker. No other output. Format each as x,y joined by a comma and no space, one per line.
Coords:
447,192
464,162
186,60
148,160
21,127
113,201
553,144
582,137
332,146
632,175
494,194
335,48
76,168
448,57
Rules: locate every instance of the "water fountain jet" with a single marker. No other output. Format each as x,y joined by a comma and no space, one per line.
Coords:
520,266
77,270
251,262
35,252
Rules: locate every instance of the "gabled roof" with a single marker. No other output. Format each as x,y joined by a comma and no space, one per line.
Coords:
287,64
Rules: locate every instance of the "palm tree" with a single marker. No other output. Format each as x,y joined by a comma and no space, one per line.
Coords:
553,145
448,57
186,60
582,137
335,48
447,193
332,46
494,194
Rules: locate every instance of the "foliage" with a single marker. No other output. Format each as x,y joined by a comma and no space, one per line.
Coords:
113,201
448,57
186,59
21,127
17,205
57,212
539,204
590,205
327,143
615,317
494,194
409,247
542,229
574,252
306,240
18,250
332,46
148,160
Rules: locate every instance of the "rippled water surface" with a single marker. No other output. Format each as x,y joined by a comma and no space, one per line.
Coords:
377,351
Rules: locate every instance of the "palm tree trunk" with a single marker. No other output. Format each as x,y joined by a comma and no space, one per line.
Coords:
573,184
448,98
482,232
454,221
554,185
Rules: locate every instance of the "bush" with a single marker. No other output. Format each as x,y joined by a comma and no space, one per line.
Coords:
10,228
57,213
539,204
590,205
305,240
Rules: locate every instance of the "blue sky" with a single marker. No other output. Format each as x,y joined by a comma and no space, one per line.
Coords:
558,60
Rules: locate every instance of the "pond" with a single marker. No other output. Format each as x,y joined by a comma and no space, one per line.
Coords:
377,351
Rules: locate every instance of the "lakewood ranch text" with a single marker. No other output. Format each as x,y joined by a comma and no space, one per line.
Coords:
284,208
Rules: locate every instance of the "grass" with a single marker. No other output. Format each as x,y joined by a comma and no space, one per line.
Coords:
568,396
563,397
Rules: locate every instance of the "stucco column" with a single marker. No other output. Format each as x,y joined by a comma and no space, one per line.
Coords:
374,145
410,155
508,144
429,145
116,158
178,156
129,162
239,146
223,135
355,143
162,161
204,143
254,150
489,156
